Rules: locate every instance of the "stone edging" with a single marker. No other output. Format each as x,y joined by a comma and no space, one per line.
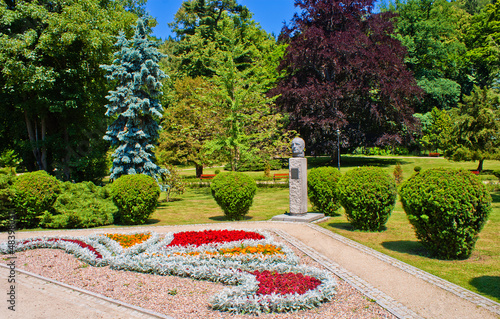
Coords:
461,292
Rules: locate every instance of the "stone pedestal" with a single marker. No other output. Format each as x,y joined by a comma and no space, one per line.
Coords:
298,186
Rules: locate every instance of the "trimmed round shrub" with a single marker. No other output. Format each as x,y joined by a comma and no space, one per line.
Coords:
322,189
234,193
368,195
447,208
34,194
136,197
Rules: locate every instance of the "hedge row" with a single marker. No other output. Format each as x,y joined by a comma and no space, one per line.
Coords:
39,200
447,208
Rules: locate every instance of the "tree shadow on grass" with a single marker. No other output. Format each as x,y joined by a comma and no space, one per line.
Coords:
407,247
225,219
347,226
355,161
488,285
495,197
152,221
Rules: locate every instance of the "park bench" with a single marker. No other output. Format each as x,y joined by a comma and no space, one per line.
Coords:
207,176
434,154
475,172
280,176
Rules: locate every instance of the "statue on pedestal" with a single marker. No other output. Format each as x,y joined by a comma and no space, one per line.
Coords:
298,178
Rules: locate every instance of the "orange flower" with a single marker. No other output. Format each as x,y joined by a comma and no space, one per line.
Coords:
127,241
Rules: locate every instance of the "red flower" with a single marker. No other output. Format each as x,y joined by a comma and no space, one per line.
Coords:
198,238
75,241
286,283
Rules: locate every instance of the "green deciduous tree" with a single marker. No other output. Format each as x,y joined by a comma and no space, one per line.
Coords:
436,127
231,63
50,80
241,80
134,105
476,133
189,122
432,31
482,39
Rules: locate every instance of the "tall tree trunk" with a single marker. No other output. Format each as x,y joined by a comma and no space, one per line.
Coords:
40,156
199,170
44,147
480,166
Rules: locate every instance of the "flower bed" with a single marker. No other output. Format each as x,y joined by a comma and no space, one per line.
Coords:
265,275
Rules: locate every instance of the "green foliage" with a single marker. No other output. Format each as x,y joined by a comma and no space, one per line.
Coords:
188,124
50,82
172,182
368,195
322,189
255,163
482,39
136,197
7,178
35,193
436,127
80,205
234,193
9,158
432,32
475,135
447,208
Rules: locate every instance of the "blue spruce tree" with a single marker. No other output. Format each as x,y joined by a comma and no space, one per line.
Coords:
135,105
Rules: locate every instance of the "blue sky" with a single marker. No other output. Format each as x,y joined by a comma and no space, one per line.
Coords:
271,14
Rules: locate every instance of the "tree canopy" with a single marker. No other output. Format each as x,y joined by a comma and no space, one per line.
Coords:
475,135
345,71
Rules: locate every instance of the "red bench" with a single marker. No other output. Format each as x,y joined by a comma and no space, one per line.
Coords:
434,154
280,176
475,172
207,176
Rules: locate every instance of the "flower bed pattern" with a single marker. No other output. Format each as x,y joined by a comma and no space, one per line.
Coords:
265,275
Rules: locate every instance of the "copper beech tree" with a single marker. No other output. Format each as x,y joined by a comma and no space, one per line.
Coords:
345,71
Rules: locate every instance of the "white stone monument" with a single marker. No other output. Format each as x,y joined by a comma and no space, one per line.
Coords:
298,178
298,187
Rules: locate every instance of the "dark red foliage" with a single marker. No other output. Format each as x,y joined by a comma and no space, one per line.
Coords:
286,283
198,238
345,71
75,241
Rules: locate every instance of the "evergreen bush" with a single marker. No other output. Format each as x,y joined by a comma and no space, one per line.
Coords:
34,194
136,197
81,205
234,193
6,196
322,185
368,195
447,208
